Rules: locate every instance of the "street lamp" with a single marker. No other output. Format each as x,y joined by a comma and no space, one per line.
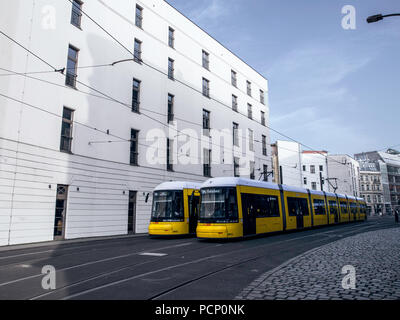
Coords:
379,17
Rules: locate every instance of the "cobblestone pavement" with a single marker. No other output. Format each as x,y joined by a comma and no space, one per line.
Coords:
317,274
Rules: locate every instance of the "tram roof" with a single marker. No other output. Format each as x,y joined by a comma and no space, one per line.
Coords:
233,182
178,185
237,181
330,194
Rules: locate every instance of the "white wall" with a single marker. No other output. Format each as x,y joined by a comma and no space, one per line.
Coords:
289,154
317,160
31,164
347,172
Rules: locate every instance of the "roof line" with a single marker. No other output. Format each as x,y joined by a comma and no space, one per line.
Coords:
265,78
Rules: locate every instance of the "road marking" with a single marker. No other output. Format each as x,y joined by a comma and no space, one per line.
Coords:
152,254
88,264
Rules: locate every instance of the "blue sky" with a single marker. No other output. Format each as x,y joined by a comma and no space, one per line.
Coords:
329,88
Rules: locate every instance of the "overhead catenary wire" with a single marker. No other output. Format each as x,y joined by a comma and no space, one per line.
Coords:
152,67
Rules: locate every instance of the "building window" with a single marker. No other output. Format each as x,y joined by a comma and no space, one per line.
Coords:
234,78
169,155
312,169
206,121
250,111
171,99
304,168
136,96
265,172
171,37
171,63
139,16
264,145
305,180
314,185
262,97
206,60
252,170
263,118
236,167
234,103
321,168
72,64
66,130
137,56
249,88
235,134
251,140
76,16
134,147
206,87
207,162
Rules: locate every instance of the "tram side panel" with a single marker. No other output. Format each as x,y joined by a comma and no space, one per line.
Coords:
261,210
319,210
298,210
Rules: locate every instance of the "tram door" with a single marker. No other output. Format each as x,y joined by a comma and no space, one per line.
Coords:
194,207
298,207
336,213
249,215
300,220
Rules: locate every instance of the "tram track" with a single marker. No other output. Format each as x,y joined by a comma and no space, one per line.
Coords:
337,232
200,277
56,251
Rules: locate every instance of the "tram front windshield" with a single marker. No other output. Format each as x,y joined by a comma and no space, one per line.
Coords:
167,206
218,205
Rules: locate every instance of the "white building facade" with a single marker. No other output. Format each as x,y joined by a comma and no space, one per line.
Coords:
315,170
92,119
287,163
345,174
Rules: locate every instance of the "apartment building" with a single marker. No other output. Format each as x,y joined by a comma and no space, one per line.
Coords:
315,170
100,101
387,165
371,190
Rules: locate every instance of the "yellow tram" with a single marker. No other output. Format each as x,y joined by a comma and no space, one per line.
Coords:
238,207
175,209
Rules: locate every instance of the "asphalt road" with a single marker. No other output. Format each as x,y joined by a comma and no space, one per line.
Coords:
142,268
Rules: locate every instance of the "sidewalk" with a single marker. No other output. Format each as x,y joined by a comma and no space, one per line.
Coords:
317,274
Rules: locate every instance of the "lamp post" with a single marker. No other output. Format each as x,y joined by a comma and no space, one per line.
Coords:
379,17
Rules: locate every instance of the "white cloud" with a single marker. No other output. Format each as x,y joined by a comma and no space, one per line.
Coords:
210,10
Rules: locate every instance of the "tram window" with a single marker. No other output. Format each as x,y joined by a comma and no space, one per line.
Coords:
343,207
353,208
333,207
319,207
262,206
218,205
297,206
231,204
167,206
303,204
